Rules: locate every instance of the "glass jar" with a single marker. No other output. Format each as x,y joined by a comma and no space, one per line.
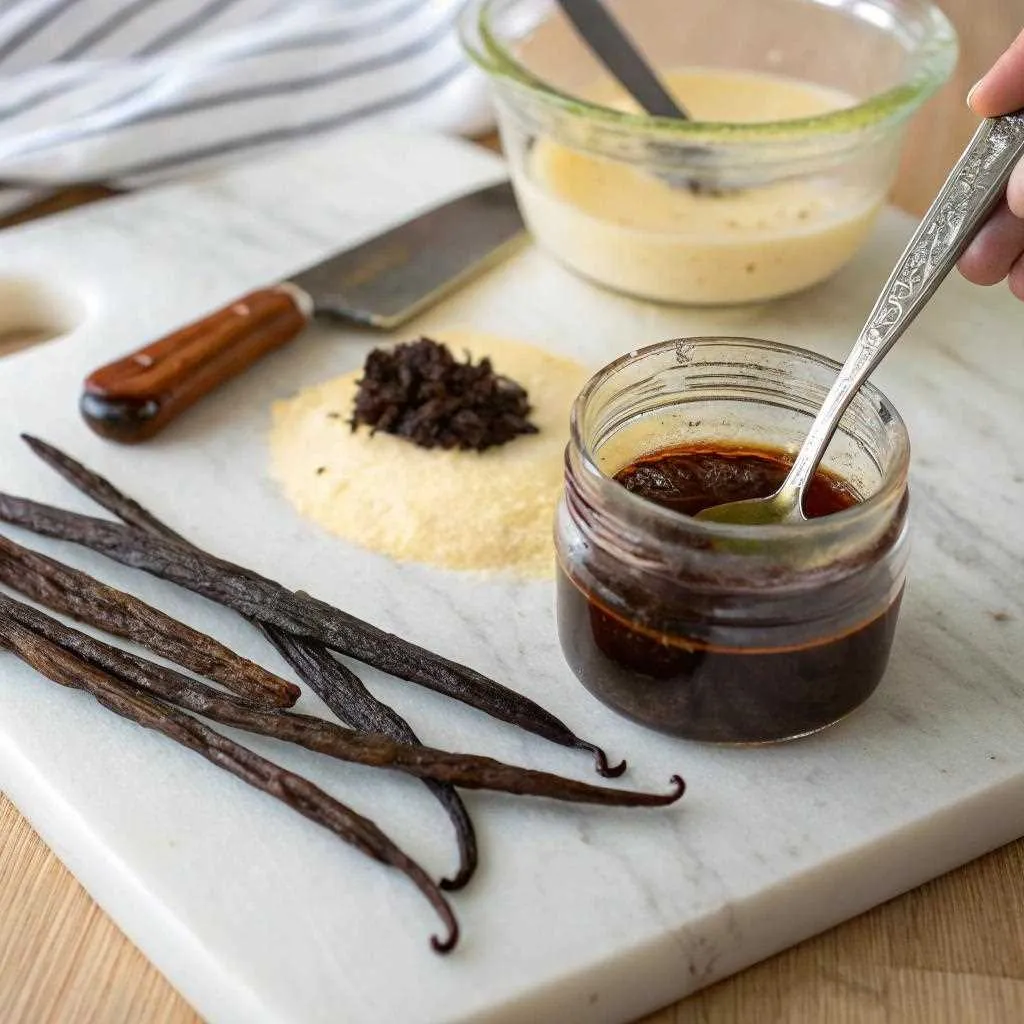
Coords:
720,632
777,203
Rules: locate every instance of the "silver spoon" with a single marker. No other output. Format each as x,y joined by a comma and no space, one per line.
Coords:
620,55
612,45
973,189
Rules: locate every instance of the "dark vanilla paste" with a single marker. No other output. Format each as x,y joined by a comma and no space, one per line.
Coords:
697,688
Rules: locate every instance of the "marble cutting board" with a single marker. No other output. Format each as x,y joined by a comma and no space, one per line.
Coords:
577,915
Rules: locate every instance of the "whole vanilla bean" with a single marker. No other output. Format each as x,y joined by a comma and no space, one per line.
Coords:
73,593
344,693
257,597
469,771
65,668
334,683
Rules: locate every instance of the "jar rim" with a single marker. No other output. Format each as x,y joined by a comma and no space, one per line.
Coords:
933,61
812,530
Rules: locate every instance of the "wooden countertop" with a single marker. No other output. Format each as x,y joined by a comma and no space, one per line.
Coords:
950,952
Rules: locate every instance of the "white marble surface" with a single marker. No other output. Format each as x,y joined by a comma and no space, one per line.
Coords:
577,915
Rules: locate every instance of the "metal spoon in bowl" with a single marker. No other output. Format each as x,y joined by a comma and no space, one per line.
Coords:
611,44
620,55
973,189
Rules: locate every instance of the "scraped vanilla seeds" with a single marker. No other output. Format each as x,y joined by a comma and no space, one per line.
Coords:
490,510
419,390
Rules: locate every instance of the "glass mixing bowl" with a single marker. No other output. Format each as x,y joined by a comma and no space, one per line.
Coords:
709,211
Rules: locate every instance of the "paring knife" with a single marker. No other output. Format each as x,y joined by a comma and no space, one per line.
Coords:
382,283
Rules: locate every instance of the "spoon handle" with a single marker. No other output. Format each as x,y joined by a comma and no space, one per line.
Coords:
619,54
973,189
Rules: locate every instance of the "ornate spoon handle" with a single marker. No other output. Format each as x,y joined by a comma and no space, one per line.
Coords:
972,190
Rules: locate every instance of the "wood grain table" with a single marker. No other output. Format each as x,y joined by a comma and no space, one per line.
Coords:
950,952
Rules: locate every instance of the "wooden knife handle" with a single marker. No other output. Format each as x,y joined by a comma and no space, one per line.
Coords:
135,397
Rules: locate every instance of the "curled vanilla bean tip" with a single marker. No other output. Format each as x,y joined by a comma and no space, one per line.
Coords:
462,876
448,943
680,784
435,898
601,765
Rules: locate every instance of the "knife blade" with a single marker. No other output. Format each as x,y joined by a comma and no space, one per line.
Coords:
381,282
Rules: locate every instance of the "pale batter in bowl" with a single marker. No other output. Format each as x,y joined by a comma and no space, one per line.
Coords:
624,227
798,111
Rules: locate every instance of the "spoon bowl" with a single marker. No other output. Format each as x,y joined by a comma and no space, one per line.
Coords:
776,508
973,189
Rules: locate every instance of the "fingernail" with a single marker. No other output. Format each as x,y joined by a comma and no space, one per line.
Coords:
973,89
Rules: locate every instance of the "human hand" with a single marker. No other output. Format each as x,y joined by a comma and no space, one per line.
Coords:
997,251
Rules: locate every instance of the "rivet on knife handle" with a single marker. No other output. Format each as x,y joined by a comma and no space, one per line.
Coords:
136,396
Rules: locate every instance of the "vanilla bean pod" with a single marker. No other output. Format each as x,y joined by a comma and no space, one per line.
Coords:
62,666
262,599
79,596
334,683
470,771
344,693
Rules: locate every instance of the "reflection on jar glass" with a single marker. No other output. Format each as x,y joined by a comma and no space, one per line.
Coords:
725,633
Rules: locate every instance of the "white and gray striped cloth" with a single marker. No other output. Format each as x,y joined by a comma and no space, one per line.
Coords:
130,92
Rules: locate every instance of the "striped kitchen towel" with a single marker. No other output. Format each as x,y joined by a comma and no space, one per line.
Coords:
130,92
